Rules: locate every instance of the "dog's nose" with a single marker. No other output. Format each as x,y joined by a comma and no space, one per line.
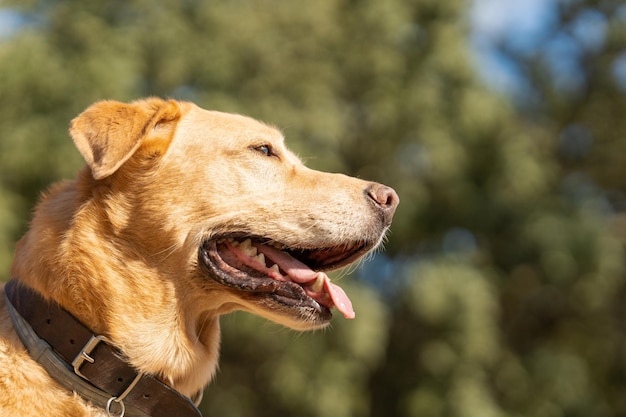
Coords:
385,199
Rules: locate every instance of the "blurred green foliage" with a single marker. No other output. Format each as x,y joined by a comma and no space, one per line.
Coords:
500,291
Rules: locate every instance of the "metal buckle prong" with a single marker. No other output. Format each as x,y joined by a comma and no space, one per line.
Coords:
83,355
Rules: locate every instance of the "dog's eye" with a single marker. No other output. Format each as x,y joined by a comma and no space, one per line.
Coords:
265,149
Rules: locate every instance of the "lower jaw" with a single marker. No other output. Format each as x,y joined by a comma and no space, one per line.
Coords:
285,311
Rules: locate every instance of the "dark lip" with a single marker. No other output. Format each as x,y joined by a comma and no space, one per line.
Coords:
332,258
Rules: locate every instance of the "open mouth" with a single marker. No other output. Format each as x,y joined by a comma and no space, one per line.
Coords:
293,277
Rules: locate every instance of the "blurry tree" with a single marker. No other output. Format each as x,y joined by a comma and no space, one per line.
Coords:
499,293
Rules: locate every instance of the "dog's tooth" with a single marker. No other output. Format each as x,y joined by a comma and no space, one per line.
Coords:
275,268
318,284
247,248
260,258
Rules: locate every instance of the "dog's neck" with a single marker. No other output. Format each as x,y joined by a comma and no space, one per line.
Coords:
140,311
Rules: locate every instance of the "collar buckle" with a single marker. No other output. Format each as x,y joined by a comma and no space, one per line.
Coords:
83,355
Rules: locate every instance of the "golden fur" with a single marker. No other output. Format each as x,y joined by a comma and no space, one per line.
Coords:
118,245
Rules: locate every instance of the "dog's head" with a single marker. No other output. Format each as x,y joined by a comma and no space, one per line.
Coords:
216,202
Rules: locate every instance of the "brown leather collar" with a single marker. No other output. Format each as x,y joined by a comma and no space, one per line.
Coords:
94,359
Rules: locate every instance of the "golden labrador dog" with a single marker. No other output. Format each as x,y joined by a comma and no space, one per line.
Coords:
181,215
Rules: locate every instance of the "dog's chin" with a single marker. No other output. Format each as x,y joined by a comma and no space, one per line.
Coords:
283,284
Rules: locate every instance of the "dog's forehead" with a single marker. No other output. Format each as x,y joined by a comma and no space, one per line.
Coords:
209,123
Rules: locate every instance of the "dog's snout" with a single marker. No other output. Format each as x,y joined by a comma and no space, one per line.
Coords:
385,199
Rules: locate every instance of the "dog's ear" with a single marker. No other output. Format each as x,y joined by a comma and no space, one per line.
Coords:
110,132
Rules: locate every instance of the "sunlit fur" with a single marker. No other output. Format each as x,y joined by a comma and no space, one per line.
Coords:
117,246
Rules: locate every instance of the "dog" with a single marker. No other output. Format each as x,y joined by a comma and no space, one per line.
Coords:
180,215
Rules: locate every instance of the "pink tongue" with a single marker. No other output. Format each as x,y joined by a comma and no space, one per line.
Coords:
302,274
340,298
